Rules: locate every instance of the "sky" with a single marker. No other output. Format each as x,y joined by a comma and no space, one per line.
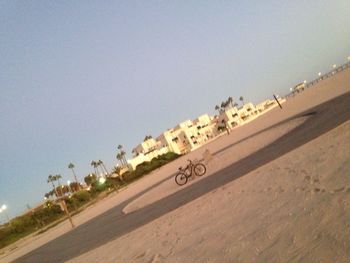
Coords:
78,78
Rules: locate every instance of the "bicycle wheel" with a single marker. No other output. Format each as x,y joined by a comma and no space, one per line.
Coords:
181,179
199,169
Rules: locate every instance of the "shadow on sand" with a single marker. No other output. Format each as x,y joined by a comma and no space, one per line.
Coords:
114,224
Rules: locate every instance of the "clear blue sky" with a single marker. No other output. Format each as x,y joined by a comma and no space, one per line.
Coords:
77,78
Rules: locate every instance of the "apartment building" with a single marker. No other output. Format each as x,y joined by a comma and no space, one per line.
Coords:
183,138
189,135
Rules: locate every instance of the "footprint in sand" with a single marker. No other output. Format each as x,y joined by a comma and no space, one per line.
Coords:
316,190
139,257
307,178
277,190
147,257
322,190
227,250
337,190
156,258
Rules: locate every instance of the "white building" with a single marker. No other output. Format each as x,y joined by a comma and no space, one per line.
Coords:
189,135
183,138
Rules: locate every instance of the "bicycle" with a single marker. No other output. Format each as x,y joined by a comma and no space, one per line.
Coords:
182,176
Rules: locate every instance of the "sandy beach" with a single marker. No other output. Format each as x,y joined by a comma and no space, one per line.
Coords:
286,211
292,209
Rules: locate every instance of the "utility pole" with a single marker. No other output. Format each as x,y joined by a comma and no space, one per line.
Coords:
277,101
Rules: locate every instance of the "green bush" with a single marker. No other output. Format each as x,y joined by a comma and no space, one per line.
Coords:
21,224
170,156
50,212
147,167
4,232
82,196
47,214
128,176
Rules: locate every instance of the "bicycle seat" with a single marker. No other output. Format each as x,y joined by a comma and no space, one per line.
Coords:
180,168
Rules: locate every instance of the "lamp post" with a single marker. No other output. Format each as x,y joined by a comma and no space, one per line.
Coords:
102,180
2,209
334,66
69,188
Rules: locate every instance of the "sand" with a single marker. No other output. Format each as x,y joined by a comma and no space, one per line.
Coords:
293,208
217,162
287,210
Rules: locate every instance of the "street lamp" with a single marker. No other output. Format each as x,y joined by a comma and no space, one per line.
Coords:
2,209
102,180
69,189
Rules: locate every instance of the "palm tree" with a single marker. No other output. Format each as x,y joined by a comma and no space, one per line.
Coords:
95,165
47,195
122,153
117,170
241,99
222,105
217,108
230,101
119,157
74,186
51,179
52,192
225,104
58,177
147,137
90,179
99,162
123,156
71,166
65,189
